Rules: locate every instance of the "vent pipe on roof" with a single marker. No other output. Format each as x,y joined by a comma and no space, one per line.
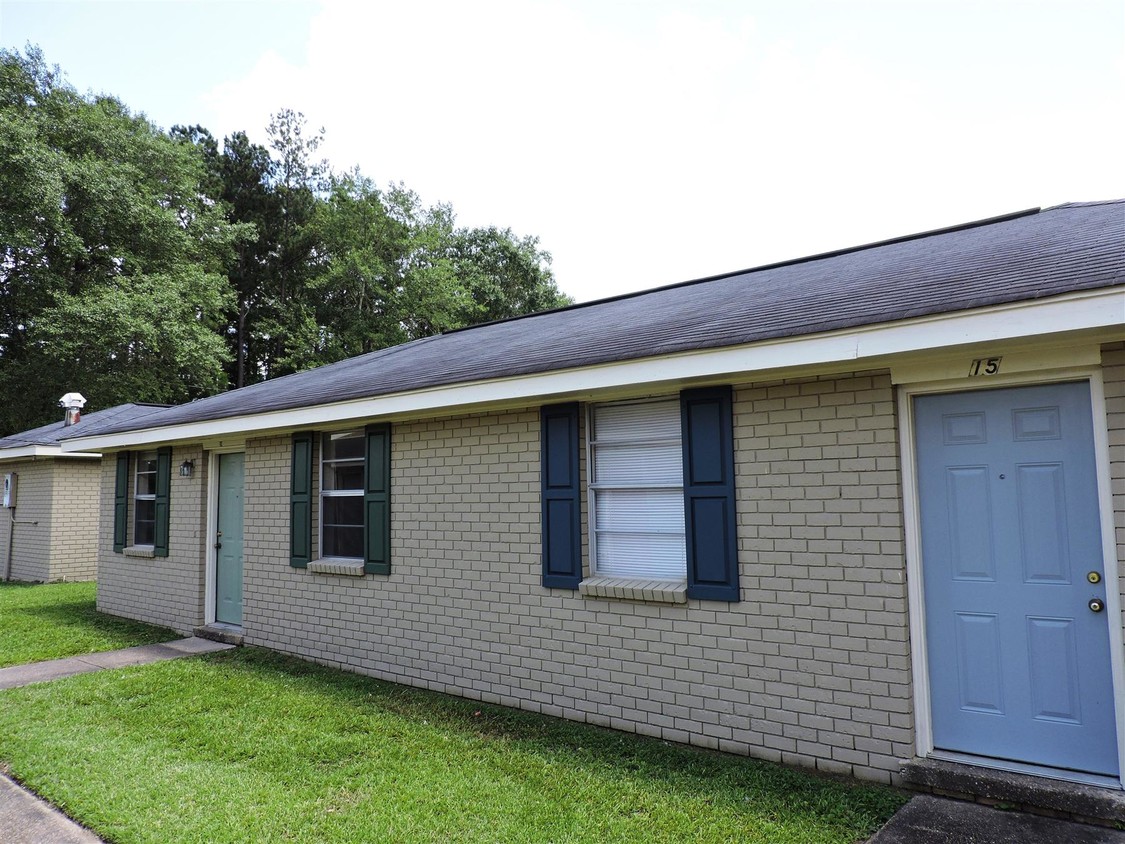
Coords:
72,404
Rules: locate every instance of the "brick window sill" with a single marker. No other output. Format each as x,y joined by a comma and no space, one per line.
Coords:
338,566
146,552
627,589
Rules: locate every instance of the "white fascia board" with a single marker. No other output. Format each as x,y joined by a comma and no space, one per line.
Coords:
26,451
1098,309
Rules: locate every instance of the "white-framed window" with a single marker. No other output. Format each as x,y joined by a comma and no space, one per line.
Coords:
341,494
636,490
144,499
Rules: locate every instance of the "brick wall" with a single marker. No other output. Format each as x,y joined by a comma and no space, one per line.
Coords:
76,487
811,667
1113,376
31,533
161,590
55,535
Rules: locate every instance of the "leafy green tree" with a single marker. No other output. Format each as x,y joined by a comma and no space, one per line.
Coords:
503,275
101,216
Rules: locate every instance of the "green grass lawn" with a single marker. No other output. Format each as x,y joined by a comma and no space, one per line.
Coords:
53,620
248,745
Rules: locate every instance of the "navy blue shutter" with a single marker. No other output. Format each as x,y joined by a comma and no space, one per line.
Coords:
561,496
377,500
121,503
300,501
163,492
709,514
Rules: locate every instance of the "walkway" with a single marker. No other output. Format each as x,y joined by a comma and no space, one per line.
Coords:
40,672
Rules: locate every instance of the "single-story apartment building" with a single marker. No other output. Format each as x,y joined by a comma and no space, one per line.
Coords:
856,511
51,499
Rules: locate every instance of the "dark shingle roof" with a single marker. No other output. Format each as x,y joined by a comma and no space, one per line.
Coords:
1030,255
91,423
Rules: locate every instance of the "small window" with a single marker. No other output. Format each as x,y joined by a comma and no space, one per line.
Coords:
341,495
144,500
637,490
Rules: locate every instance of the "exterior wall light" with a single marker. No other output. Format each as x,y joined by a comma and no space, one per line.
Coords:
187,468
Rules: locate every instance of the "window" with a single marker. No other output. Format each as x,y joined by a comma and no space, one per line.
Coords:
141,491
660,491
636,492
341,495
144,500
354,496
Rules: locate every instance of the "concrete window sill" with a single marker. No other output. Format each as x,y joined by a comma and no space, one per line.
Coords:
656,591
347,568
144,551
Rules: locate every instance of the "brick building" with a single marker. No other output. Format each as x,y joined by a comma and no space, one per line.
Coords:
49,523
850,512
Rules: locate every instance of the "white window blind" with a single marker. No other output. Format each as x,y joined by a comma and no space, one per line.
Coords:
637,496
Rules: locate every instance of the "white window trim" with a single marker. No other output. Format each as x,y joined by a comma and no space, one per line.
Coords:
141,457
322,493
603,585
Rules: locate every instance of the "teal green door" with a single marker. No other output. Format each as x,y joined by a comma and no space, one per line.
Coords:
228,540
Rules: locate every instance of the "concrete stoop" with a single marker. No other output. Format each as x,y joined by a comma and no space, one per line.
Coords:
1039,795
228,634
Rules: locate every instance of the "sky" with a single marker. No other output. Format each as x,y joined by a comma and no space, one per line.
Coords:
644,142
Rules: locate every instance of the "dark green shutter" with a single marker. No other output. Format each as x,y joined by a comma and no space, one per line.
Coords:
377,500
163,489
709,512
300,501
121,503
561,496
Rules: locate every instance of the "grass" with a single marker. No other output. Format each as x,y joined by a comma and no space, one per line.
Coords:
248,745
53,620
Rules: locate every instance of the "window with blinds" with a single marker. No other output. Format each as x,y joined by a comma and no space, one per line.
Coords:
636,491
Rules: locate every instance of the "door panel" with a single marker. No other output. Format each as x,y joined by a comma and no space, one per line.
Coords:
228,540
1019,664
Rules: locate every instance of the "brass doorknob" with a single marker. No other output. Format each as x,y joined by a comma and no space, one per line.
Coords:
1097,604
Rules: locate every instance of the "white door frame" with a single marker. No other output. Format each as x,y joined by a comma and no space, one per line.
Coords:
924,738
212,520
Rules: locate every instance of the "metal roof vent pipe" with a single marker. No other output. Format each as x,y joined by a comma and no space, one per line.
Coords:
72,404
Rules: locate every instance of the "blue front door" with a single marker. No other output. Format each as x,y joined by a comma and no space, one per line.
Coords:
228,540
1011,558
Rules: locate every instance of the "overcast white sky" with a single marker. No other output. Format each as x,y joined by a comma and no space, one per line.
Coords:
645,142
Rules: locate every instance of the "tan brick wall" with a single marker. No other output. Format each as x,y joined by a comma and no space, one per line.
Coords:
161,590
75,496
31,533
1113,376
55,535
811,667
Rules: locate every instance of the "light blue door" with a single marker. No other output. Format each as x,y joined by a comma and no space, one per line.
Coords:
228,540
1011,547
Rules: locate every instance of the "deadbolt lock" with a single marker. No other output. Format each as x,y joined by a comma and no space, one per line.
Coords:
1094,577
1096,604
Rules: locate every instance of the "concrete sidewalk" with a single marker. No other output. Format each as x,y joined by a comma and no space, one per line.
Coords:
938,820
25,819
41,672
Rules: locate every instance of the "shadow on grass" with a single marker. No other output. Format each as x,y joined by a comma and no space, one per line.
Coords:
696,773
83,616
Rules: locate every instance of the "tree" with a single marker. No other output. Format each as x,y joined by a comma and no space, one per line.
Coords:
111,273
503,275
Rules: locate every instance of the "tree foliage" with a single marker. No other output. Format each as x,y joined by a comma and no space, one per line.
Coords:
101,216
143,266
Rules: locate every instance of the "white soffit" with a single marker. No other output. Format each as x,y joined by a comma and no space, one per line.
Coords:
1097,309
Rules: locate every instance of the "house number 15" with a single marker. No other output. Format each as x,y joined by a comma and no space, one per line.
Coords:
984,366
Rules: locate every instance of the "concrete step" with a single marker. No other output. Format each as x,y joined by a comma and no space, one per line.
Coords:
1041,795
219,632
